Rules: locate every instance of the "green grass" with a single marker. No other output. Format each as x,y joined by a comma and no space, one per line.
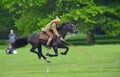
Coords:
75,64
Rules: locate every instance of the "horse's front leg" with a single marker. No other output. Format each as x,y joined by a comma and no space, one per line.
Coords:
64,53
53,55
33,50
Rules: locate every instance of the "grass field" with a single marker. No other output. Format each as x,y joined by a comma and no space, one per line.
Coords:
75,64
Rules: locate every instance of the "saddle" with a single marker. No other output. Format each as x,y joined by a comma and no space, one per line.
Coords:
45,35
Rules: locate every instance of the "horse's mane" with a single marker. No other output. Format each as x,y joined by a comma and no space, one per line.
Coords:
62,29
62,25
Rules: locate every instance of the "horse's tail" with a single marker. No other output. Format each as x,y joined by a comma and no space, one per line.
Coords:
21,42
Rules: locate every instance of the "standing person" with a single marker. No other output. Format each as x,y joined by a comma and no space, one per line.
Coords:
12,38
51,29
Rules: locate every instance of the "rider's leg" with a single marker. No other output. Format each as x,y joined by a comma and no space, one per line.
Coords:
48,42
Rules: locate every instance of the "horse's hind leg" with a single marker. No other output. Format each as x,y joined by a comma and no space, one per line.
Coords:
33,50
40,53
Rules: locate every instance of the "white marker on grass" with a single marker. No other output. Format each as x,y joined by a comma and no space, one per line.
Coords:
100,68
47,70
116,62
94,58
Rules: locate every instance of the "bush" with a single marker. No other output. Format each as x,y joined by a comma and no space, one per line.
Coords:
3,42
100,39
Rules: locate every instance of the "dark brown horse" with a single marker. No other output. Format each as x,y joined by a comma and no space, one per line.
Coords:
36,42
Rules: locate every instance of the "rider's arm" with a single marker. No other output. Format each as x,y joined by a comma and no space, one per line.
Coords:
55,30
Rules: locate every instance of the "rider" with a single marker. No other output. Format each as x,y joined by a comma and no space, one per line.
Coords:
51,30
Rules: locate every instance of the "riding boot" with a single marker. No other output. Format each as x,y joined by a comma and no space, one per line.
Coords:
48,42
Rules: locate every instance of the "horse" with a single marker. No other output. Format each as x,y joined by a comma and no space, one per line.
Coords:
36,42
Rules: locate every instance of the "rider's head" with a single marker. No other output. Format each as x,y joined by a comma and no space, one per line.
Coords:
57,20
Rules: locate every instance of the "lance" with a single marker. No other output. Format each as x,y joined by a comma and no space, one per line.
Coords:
84,51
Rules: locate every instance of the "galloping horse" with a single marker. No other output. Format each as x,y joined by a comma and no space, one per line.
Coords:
36,42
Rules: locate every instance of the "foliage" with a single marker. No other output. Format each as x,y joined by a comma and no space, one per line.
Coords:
3,42
100,39
6,21
90,13
31,15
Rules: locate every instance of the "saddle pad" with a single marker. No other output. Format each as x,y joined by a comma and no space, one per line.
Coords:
43,36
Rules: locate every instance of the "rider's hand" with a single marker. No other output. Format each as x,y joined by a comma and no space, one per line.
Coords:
62,39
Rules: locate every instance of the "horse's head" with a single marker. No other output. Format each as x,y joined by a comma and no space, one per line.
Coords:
70,27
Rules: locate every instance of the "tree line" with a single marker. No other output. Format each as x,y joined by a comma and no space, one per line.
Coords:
28,16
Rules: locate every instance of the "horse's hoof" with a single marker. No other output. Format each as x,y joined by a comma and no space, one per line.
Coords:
39,57
48,61
63,53
47,54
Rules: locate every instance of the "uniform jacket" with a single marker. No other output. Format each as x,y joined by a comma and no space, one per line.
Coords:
52,26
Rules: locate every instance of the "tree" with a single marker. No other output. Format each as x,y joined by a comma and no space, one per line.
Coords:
31,15
90,13
26,14
6,22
